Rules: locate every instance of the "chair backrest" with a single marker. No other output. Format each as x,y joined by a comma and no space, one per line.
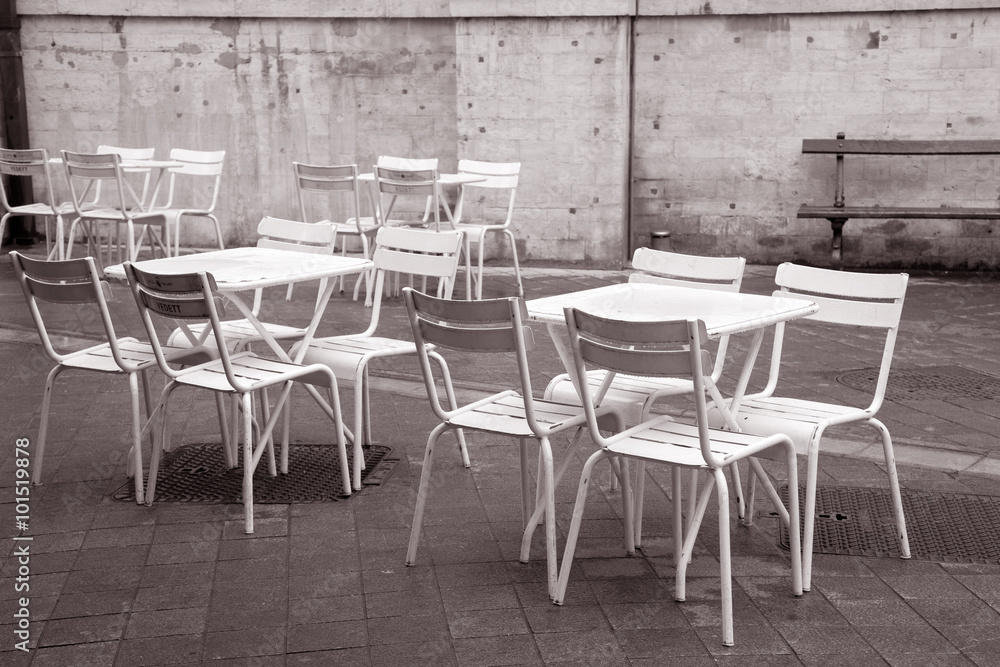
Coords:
674,268
86,171
407,177
484,327
340,181
867,300
318,238
32,163
666,349
496,176
128,153
75,282
184,299
418,252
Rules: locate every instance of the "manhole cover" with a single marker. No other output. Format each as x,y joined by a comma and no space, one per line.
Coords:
196,474
941,527
927,382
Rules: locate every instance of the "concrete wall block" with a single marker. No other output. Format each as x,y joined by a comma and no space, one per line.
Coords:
973,102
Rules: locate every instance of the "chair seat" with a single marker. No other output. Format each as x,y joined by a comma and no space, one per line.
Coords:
627,392
351,227
664,440
794,417
345,354
252,370
239,331
42,209
505,414
99,357
141,217
468,226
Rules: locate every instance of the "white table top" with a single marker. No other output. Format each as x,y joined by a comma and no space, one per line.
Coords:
722,312
239,269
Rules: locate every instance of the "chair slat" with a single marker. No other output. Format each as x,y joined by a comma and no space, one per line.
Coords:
812,280
469,339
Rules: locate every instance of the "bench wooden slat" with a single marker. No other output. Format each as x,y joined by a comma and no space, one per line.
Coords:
901,147
925,213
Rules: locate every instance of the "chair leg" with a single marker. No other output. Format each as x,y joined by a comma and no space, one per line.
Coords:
690,535
135,462
227,446
158,443
247,401
526,505
725,557
43,427
640,487
574,526
788,516
265,418
897,499
677,486
548,481
422,491
360,435
809,513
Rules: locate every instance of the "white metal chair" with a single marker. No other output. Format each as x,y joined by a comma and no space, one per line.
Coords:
476,201
492,326
635,396
340,181
397,177
188,297
34,164
397,249
316,238
671,349
85,172
201,177
869,304
78,283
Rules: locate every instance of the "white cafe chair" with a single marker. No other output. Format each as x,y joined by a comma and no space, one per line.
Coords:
34,164
480,211
867,305
669,349
417,252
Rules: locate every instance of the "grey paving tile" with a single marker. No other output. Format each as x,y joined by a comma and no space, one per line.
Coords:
166,622
167,650
83,630
326,636
93,603
509,650
326,609
100,654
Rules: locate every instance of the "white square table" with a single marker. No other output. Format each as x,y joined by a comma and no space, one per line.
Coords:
723,313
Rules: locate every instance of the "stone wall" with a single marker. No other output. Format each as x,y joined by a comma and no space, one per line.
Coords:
682,115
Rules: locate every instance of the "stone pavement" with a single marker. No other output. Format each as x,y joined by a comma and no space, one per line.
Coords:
112,583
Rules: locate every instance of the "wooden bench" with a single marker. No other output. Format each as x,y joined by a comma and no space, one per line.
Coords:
840,212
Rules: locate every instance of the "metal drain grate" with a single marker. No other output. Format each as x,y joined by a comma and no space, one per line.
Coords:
196,474
941,526
931,382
